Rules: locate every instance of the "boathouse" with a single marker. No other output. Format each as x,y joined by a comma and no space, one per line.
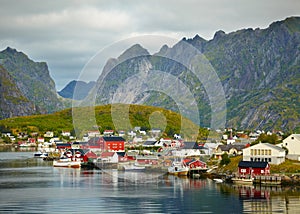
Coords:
253,168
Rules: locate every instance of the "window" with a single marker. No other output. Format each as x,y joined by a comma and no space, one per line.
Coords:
243,170
258,152
269,152
262,152
254,151
251,151
262,171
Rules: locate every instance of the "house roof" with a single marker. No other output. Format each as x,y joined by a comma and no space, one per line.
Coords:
149,143
192,145
107,154
230,146
269,145
253,164
113,138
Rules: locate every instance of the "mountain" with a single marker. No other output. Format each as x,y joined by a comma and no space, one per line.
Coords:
13,102
258,70
82,89
32,79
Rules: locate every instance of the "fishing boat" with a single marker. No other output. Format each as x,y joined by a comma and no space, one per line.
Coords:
178,168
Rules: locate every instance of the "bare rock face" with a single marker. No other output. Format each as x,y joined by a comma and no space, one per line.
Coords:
13,102
32,79
258,69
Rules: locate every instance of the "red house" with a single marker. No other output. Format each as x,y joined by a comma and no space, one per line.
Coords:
195,164
253,168
112,144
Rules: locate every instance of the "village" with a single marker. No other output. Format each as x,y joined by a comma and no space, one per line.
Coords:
138,150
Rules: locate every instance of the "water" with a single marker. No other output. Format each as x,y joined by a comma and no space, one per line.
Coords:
29,185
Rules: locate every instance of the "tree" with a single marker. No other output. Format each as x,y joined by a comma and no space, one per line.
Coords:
225,159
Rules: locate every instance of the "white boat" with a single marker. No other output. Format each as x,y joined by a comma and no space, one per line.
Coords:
218,180
133,167
66,162
242,180
178,168
40,154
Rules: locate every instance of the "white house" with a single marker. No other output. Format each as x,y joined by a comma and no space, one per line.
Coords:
292,143
211,148
66,133
264,152
110,157
49,134
189,149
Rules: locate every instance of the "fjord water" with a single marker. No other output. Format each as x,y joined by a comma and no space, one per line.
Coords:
29,185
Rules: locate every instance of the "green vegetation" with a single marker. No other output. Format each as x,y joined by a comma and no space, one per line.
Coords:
288,166
232,166
225,160
138,115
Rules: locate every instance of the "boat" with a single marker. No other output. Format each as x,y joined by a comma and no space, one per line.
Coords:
218,180
238,180
178,168
40,154
66,162
133,167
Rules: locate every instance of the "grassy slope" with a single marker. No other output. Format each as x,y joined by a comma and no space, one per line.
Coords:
143,116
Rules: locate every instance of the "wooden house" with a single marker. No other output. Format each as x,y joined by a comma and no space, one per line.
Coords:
112,144
252,169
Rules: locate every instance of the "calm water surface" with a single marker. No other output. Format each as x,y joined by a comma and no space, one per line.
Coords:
29,185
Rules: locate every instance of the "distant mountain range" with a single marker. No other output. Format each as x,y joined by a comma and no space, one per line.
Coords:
83,89
258,69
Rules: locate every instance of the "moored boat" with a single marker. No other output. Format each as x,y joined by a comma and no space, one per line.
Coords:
218,180
178,168
237,180
40,154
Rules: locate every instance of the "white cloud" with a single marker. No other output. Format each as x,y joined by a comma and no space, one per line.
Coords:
67,33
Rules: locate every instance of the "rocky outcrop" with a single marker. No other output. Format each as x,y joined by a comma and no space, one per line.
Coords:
258,69
13,102
32,79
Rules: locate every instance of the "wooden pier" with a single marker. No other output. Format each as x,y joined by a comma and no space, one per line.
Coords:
268,180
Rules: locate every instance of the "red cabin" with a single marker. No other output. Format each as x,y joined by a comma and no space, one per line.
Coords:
253,168
195,164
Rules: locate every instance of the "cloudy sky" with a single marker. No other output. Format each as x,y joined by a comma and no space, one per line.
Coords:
68,33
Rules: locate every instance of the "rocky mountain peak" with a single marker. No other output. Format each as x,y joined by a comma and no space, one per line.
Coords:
132,52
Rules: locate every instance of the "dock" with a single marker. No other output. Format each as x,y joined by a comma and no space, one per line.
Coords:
268,180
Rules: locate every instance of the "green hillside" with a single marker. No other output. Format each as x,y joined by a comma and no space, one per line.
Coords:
145,117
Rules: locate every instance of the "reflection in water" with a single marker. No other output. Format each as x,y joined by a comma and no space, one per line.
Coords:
265,199
29,185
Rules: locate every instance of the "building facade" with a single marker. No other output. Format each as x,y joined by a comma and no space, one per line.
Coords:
264,152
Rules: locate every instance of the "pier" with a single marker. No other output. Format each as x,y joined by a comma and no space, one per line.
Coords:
267,180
